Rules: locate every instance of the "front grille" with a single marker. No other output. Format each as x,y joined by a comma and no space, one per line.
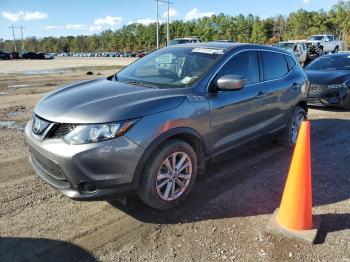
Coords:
61,130
317,89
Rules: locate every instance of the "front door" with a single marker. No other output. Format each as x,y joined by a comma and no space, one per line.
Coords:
238,116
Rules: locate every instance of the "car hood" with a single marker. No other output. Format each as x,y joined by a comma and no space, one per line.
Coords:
101,100
313,41
327,77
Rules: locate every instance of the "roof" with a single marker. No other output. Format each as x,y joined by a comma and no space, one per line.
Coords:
293,41
216,45
228,46
340,54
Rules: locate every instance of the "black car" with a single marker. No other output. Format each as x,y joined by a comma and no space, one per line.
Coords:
31,55
4,55
329,76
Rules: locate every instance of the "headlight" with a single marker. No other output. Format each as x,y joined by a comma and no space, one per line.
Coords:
335,86
91,133
347,83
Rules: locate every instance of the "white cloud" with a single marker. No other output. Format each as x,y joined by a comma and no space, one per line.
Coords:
130,22
50,27
147,21
108,20
195,14
75,27
172,13
24,15
95,28
306,2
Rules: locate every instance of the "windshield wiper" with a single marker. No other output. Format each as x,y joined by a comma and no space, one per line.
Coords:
139,83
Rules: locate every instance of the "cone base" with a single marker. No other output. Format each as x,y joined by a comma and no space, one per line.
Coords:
308,236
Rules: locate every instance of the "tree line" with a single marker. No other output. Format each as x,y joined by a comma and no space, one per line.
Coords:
240,28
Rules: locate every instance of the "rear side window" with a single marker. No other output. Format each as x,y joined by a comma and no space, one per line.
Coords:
274,65
290,61
244,64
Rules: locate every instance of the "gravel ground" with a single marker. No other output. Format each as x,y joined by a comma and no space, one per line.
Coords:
223,220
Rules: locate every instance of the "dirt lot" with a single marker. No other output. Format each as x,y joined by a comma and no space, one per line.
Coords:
223,220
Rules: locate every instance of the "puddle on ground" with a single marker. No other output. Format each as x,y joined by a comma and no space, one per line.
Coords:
3,93
11,125
15,113
94,69
18,86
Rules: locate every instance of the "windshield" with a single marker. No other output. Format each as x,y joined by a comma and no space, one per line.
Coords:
331,63
179,41
170,67
315,37
285,45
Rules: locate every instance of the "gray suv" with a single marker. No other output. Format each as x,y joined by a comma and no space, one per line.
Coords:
149,129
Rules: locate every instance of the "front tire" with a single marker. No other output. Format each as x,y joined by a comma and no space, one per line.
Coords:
169,175
346,104
336,49
290,133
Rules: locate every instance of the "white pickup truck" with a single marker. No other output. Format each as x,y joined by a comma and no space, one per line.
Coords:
320,44
297,47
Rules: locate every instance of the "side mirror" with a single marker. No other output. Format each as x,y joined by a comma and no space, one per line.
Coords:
326,40
230,82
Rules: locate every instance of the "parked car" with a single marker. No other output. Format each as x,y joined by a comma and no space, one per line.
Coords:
185,40
128,54
31,55
225,41
329,76
297,47
320,44
45,56
4,55
149,129
140,54
14,55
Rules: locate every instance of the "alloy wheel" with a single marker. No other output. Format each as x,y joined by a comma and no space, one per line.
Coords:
173,176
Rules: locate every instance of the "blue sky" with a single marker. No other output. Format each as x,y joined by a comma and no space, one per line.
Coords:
74,17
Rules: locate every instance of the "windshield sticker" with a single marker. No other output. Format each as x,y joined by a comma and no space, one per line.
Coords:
209,51
186,80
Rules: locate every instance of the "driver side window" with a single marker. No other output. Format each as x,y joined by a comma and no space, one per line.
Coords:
244,64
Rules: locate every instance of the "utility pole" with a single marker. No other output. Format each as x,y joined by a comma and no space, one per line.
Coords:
157,24
23,49
167,26
14,38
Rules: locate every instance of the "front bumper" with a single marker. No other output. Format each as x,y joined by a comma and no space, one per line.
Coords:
320,94
94,171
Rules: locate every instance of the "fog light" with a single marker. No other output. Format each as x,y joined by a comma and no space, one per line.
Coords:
87,188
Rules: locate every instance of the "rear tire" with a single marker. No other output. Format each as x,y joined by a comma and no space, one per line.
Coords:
163,185
336,49
290,133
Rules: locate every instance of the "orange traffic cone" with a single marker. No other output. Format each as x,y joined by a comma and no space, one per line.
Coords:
294,217
296,205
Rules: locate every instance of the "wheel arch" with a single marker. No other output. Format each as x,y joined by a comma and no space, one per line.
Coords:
189,135
303,104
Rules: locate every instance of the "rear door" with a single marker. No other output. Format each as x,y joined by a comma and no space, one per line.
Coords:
282,88
238,116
